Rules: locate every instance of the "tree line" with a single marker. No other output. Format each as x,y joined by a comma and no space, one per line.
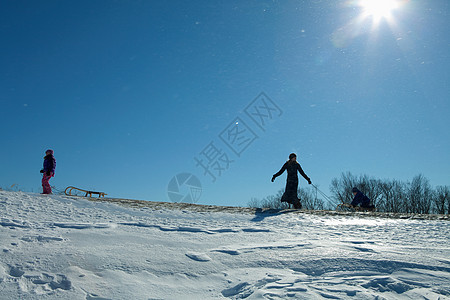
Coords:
388,195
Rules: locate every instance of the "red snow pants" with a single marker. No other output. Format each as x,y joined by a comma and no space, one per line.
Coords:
47,189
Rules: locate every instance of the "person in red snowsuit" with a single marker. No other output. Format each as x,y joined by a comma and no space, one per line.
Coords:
48,171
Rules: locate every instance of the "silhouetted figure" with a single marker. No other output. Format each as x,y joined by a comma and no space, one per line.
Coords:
290,193
359,199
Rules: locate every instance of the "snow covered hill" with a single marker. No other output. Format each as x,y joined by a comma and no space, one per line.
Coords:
58,247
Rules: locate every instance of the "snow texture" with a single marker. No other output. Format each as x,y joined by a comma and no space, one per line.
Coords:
59,247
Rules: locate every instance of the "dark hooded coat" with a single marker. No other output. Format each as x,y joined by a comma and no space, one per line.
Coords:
361,199
290,194
49,164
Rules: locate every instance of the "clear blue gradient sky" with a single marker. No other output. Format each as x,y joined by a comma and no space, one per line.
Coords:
130,93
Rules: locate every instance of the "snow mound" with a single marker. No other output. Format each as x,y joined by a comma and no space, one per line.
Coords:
59,247
261,212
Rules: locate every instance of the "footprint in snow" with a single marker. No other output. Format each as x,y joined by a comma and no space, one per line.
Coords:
228,251
15,271
40,238
81,225
202,257
359,242
96,297
364,249
241,290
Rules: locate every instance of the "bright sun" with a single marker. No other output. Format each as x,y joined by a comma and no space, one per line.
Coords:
370,15
378,9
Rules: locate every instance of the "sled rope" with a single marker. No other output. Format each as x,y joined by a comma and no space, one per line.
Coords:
58,191
322,194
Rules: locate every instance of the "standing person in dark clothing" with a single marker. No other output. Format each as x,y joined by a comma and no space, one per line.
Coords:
359,199
48,171
290,193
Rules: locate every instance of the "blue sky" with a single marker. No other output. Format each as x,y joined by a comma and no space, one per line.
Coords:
131,93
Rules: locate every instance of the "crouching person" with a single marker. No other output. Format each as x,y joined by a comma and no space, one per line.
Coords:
361,200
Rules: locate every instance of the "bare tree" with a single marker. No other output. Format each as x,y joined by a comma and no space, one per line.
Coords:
309,200
442,199
254,202
395,196
392,196
341,189
419,195
272,201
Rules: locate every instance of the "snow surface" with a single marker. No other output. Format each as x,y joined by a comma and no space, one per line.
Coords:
59,247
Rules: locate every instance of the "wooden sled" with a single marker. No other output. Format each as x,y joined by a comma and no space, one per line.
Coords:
69,190
348,207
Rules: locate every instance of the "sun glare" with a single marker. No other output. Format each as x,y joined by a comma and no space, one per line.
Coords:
379,9
370,15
